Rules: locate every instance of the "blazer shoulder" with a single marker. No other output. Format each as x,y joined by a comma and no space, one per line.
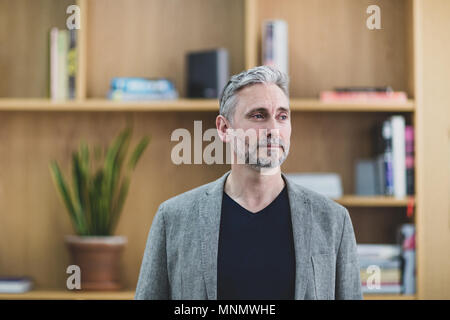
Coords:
322,206
328,219
185,200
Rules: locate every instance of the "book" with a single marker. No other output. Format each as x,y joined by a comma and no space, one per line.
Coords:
379,149
327,184
364,97
365,177
141,89
63,48
59,64
385,288
275,44
378,251
141,85
386,275
387,156
398,155
393,263
380,175
364,89
119,95
407,232
15,284
72,64
409,158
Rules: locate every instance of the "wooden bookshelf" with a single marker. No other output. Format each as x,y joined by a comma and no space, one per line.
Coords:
327,48
308,105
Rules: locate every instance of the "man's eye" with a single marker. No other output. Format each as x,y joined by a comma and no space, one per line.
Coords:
283,117
258,116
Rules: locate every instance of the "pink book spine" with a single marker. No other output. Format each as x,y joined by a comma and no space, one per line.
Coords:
409,159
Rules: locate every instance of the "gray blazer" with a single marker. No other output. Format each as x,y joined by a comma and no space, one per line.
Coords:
180,258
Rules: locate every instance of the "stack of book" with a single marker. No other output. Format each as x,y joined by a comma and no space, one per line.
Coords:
364,95
141,89
380,268
63,64
15,284
392,164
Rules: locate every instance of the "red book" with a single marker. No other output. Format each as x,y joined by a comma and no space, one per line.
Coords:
333,96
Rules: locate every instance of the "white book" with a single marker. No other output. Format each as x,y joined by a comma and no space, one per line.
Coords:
275,44
223,68
384,289
327,184
378,251
398,156
15,285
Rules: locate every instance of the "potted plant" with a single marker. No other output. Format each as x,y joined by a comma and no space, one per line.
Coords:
99,188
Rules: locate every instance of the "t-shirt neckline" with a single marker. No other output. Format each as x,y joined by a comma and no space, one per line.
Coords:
258,213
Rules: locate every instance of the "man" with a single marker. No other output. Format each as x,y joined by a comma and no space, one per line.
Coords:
253,233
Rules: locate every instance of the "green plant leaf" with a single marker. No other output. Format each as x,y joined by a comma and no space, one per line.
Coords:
137,153
61,185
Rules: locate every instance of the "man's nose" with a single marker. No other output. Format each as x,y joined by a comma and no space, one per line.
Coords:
272,124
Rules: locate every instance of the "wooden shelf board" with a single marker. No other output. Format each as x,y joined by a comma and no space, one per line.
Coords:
129,295
389,297
309,105
55,294
107,105
372,201
317,105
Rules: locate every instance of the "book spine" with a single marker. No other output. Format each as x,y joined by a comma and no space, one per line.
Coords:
378,153
409,150
63,82
54,63
222,70
275,44
380,175
72,64
267,50
388,168
398,156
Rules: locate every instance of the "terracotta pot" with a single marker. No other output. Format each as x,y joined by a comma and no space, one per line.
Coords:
98,259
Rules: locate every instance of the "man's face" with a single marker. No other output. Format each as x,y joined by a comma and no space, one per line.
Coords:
262,124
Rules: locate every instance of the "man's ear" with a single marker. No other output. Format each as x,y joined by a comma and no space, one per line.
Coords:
222,125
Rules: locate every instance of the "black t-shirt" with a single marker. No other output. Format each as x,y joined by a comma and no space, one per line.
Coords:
256,256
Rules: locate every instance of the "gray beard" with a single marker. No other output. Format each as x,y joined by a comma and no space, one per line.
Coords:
266,164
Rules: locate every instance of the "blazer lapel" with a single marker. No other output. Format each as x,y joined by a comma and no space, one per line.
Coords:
210,209
301,228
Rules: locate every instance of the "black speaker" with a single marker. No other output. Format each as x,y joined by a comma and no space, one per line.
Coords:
207,73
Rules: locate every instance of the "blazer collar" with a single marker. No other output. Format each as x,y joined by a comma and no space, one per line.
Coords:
210,209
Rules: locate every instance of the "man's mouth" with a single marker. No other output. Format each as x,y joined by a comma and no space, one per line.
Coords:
272,146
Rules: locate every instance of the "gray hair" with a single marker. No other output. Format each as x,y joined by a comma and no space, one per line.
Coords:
261,74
